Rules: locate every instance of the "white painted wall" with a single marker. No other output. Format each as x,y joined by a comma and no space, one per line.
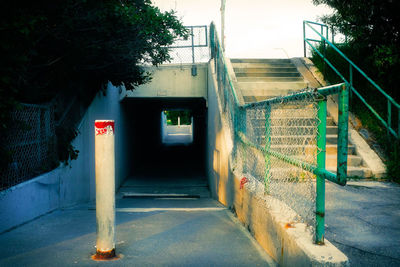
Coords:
173,80
75,183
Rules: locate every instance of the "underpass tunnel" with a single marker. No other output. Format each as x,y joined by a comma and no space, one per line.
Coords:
151,156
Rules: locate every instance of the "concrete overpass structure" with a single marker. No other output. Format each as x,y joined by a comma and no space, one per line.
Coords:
201,170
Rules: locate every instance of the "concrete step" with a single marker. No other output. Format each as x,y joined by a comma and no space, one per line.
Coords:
255,69
258,98
265,86
289,140
261,60
331,139
293,150
332,149
331,129
299,149
283,121
288,131
290,173
352,160
284,112
277,122
331,161
295,130
306,149
270,79
251,98
199,191
298,139
267,92
267,74
262,65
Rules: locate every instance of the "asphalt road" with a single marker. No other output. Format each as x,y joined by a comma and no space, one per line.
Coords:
363,221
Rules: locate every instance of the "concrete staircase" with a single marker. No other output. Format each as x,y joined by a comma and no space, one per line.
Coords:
355,166
260,79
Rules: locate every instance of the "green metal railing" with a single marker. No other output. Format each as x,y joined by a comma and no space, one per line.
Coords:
236,111
323,34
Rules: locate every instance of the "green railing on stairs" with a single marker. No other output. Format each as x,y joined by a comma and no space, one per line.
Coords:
322,32
237,113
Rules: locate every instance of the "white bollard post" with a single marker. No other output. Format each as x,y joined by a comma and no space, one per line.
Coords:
105,189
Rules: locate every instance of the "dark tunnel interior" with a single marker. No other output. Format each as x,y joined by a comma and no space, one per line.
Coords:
149,156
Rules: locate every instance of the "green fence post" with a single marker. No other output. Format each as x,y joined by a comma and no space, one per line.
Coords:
398,123
351,82
267,157
304,38
320,198
389,117
343,134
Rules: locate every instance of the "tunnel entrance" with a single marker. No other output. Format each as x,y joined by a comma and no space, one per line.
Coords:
176,127
161,160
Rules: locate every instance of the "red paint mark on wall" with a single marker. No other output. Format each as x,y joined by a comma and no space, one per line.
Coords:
104,127
242,182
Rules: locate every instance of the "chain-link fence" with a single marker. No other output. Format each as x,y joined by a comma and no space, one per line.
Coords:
290,129
281,142
287,127
31,142
194,49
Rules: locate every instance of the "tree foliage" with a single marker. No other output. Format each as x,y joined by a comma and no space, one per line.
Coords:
76,46
185,116
373,31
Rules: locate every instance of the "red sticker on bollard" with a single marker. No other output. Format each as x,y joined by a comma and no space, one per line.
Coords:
104,127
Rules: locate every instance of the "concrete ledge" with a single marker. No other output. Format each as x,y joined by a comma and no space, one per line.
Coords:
28,200
272,223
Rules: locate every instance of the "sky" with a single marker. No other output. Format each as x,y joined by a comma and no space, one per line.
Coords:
253,28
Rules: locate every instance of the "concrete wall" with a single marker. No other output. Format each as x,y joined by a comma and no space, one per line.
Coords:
72,184
218,150
271,222
173,81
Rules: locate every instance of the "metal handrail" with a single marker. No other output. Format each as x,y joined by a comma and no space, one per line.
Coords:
325,91
390,101
319,170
